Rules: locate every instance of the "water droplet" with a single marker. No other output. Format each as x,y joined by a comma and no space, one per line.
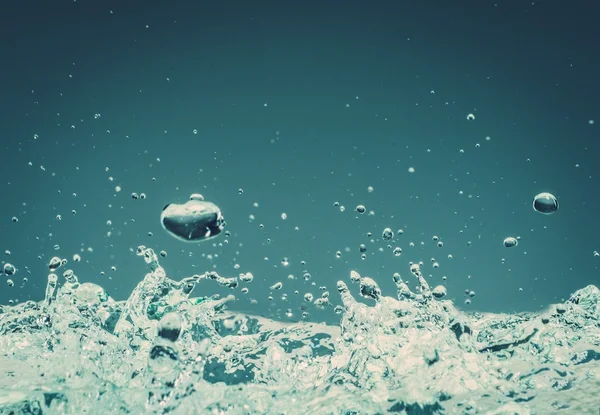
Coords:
247,277
9,269
197,196
54,263
397,251
510,242
545,203
362,248
470,117
192,221
361,209
387,234
439,291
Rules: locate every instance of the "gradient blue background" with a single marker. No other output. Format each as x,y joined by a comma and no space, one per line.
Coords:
302,104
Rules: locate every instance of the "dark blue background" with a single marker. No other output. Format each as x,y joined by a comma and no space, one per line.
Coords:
271,88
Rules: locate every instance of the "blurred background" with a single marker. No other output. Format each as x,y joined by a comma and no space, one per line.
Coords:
444,119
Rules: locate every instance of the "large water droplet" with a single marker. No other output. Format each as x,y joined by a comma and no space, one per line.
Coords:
193,221
545,203
510,242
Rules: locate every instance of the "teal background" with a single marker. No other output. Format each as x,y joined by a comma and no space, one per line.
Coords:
271,88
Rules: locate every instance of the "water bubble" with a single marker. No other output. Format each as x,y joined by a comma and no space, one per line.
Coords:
362,248
470,117
197,196
134,196
361,209
284,216
15,219
9,269
308,297
411,169
596,254
338,254
10,283
276,286
397,251
163,254
440,244
354,276
192,221
545,203
387,234
510,242
370,189
76,258
142,196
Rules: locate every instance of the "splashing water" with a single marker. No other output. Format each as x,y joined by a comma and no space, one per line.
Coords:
165,351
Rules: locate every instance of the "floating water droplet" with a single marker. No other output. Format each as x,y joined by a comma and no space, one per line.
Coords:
545,203
439,291
596,254
192,221
54,263
510,242
387,234
247,277
362,248
470,117
361,209
9,269
397,251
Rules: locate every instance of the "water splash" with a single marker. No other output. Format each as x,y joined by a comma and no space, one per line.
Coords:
165,351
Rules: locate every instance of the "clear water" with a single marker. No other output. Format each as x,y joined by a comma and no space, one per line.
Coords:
172,349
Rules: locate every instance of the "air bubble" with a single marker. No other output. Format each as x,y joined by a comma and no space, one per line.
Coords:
510,242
